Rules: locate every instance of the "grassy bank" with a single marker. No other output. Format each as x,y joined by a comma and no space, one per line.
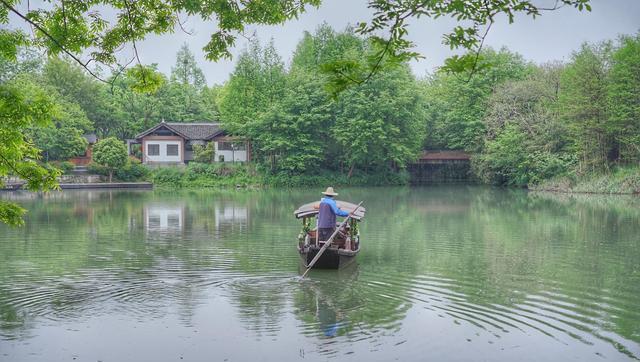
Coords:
622,180
201,175
224,175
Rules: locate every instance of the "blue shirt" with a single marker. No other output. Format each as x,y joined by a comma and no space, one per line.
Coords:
334,206
327,213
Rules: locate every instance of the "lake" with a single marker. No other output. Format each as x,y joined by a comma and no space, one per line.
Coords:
446,273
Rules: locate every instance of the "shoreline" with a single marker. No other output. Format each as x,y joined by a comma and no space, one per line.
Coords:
146,185
143,185
567,192
106,185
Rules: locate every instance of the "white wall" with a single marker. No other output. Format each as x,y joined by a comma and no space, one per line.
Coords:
238,156
162,157
229,156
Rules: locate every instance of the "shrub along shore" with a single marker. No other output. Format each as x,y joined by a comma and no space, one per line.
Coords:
622,180
224,175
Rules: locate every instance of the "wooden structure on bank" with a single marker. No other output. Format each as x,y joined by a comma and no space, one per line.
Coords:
345,245
441,166
443,156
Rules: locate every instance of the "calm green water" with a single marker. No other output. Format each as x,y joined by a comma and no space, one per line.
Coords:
445,273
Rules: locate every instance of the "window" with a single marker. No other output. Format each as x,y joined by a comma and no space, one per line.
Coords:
172,150
224,146
173,221
154,221
231,146
153,150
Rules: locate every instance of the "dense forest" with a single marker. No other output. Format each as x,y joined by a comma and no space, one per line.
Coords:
522,122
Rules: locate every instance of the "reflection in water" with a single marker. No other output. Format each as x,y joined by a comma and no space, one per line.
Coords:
331,320
260,303
445,272
161,217
231,216
326,299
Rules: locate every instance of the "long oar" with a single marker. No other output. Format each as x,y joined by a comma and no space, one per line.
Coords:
328,242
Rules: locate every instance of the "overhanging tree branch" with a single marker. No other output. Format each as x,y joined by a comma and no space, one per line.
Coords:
133,40
53,39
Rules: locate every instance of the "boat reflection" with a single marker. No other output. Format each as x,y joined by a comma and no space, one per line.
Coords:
325,300
331,319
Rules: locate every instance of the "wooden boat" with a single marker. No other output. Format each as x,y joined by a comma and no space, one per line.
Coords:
345,245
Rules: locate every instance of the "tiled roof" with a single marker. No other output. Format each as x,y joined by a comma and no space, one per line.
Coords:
195,131
190,131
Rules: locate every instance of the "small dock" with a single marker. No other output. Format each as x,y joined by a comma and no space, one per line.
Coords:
12,186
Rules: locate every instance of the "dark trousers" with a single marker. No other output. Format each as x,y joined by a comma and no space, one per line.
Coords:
325,233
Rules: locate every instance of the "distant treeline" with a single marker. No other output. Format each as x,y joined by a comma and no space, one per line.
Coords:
85,104
523,123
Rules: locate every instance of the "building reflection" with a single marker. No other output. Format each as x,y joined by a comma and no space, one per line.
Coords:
231,216
217,219
164,217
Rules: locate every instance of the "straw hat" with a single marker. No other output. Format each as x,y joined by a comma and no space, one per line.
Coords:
330,192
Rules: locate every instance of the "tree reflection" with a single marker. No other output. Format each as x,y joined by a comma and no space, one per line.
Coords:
499,259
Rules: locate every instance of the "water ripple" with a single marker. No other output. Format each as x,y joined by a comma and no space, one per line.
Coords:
437,271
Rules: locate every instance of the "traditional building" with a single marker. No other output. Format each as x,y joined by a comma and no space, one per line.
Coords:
172,143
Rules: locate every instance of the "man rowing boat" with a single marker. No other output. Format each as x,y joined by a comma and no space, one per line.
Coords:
327,214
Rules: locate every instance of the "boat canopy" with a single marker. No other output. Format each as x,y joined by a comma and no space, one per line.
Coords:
311,209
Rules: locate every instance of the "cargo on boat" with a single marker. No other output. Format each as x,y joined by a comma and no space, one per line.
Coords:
345,245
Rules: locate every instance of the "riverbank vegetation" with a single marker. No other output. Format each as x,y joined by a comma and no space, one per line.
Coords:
621,180
572,126
576,121
215,175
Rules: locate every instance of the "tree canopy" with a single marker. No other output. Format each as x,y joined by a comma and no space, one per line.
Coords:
104,27
565,119
89,33
297,127
186,71
110,153
458,103
22,105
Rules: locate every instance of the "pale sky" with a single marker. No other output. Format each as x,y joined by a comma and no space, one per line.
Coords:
552,36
